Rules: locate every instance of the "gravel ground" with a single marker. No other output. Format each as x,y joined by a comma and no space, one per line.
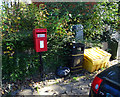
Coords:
77,84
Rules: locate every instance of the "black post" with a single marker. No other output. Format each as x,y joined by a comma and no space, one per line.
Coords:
41,65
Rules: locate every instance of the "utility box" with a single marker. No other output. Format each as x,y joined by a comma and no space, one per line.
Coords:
40,40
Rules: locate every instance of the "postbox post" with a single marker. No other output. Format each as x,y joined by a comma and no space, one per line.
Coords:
40,45
41,70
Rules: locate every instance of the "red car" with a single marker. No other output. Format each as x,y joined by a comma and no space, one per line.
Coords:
107,83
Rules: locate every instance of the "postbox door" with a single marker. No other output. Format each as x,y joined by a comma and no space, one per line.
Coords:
41,45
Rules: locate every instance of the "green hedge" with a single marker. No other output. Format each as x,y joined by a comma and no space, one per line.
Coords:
19,59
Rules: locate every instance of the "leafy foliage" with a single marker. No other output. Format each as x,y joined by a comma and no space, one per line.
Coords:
58,35
20,60
105,14
92,15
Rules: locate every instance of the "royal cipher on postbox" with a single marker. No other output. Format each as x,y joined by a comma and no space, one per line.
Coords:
40,40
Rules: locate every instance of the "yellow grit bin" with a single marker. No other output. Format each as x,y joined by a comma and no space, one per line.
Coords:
95,58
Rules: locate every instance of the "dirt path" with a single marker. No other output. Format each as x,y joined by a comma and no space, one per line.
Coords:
77,84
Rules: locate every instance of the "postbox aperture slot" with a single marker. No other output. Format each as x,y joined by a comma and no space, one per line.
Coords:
40,35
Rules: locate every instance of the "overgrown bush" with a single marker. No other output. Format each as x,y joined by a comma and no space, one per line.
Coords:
58,35
19,59
18,21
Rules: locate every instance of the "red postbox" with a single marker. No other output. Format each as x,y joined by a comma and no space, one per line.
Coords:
40,40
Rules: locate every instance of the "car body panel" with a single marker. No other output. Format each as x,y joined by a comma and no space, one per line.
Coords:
110,86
